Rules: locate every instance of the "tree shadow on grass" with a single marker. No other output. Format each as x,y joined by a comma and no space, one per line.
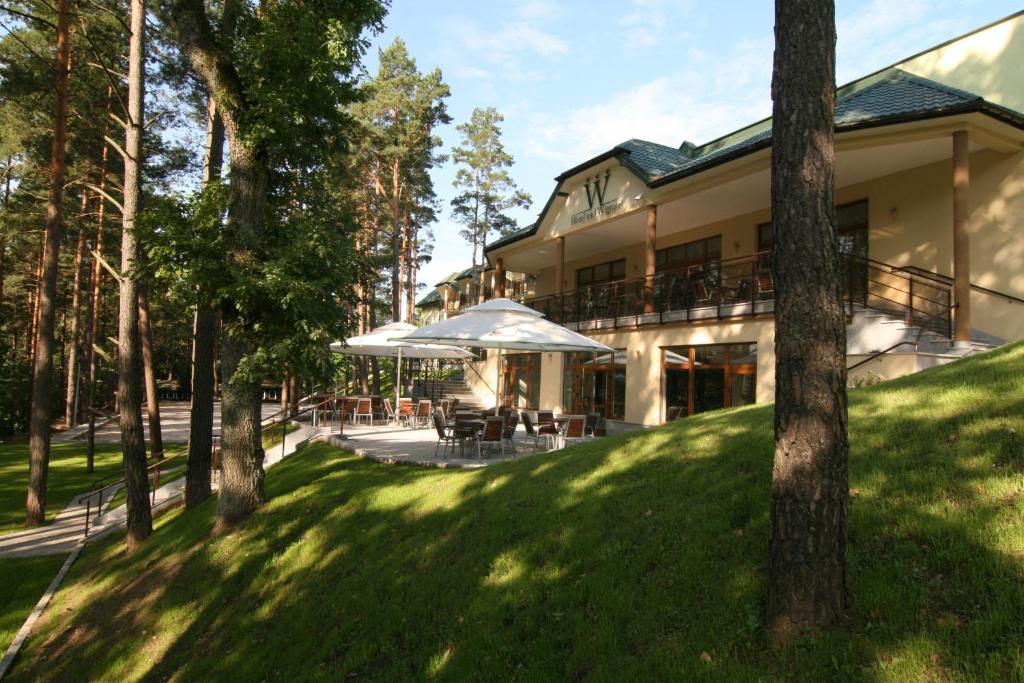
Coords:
639,556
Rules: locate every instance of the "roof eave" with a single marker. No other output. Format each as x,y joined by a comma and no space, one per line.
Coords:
981,106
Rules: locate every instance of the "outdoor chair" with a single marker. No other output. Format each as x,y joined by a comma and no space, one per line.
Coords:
590,425
364,411
547,427
389,413
573,432
531,430
446,406
422,415
491,436
765,285
509,432
673,413
445,435
701,295
406,412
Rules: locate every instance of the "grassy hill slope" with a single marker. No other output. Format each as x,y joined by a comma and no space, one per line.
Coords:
634,557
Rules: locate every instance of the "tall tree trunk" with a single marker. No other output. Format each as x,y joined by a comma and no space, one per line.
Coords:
42,365
242,454
156,439
410,267
95,303
204,339
396,243
807,548
33,329
3,243
129,362
71,393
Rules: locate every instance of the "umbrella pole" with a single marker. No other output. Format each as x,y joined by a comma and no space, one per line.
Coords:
497,386
398,380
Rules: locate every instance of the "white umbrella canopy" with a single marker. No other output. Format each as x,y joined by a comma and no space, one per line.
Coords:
388,341
505,325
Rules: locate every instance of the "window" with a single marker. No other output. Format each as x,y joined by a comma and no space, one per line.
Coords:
851,224
521,381
602,272
595,383
701,378
694,253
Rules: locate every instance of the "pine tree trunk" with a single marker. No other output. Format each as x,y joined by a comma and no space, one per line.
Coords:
71,392
396,244
129,361
200,435
156,440
807,553
42,364
95,302
33,329
3,245
204,339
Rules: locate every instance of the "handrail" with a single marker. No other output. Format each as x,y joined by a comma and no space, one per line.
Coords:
985,290
181,451
879,353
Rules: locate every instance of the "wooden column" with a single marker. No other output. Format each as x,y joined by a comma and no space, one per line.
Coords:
560,265
499,278
961,240
650,252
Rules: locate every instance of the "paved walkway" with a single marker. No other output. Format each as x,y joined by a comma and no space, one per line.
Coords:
67,529
416,446
174,417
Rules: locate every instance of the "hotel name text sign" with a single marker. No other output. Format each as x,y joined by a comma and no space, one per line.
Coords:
597,206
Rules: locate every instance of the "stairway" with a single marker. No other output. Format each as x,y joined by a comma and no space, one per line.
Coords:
872,330
452,389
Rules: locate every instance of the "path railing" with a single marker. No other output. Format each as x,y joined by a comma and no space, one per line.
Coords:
322,413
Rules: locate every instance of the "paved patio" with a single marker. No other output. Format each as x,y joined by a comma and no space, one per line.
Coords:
391,444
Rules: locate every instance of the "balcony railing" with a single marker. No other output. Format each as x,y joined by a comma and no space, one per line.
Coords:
740,287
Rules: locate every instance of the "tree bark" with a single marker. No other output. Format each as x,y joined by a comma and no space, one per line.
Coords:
242,454
129,365
95,302
3,244
156,440
807,548
71,392
204,340
396,243
42,364
200,434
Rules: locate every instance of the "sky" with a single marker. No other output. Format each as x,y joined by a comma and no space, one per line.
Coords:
576,77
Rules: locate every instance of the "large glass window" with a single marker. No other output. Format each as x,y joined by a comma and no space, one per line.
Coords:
595,383
702,378
521,381
609,271
694,253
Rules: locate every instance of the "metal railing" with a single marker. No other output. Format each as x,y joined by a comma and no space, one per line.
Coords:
322,412
742,286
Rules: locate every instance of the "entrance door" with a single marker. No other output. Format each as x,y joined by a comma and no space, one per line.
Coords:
709,377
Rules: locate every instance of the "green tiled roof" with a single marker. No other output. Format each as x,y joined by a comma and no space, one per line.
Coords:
432,298
887,97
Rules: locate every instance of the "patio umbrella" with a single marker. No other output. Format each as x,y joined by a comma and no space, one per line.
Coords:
504,325
388,341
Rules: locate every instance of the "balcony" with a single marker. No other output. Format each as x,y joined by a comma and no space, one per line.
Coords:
742,287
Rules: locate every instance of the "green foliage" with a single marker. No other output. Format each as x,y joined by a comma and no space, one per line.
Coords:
635,557
488,191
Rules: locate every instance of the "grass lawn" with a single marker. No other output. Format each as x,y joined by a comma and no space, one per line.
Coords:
23,581
67,478
636,557
272,435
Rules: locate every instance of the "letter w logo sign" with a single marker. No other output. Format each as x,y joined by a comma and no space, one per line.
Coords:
599,189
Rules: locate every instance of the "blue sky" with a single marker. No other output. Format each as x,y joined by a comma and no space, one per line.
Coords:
576,77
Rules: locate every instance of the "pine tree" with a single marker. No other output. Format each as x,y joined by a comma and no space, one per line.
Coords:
807,548
488,191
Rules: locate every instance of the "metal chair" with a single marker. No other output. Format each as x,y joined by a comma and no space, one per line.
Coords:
531,431
364,411
492,435
573,432
509,432
444,434
421,418
389,413
590,425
